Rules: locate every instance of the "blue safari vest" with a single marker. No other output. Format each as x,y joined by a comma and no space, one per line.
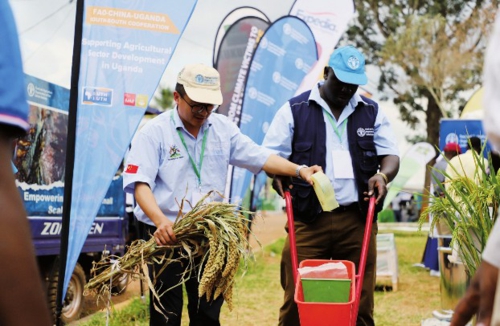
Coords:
309,148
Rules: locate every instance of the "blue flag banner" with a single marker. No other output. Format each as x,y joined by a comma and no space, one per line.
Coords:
40,155
125,48
282,59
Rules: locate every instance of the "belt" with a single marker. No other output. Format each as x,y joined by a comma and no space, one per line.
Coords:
343,208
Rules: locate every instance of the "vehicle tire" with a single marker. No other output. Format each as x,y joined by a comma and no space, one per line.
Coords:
73,302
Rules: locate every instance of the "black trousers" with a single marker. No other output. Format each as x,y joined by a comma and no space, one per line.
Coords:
201,312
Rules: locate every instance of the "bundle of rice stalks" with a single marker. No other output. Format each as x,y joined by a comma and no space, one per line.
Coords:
214,231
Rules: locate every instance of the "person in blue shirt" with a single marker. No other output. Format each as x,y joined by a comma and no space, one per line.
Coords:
185,153
22,298
349,136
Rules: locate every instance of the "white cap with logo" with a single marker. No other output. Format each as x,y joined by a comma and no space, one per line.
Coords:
201,83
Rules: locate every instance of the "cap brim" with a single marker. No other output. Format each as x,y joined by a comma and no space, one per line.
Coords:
204,95
351,78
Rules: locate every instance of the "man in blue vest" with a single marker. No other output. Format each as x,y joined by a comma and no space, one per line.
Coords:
352,140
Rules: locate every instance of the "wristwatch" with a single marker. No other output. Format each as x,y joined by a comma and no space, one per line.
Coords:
297,170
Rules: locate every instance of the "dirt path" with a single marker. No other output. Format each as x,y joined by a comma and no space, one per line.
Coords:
267,227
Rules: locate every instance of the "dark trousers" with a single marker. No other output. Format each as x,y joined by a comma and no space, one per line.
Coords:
201,312
334,235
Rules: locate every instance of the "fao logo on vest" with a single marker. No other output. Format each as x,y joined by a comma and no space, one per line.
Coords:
362,132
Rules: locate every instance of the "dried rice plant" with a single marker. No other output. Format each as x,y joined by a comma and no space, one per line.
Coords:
215,231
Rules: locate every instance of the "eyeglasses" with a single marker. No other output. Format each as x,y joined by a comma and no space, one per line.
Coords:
199,108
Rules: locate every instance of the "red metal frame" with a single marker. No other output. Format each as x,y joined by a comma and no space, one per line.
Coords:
364,249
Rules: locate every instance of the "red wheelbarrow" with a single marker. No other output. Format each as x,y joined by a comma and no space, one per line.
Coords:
327,313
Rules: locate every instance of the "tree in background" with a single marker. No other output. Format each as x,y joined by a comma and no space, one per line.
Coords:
163,99
428,52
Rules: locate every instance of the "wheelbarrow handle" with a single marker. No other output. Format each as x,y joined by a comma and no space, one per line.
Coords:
364,255
291,234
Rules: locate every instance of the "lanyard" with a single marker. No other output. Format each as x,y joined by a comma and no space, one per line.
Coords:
334,125
197,169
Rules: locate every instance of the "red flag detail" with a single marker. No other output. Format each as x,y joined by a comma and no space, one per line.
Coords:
132,169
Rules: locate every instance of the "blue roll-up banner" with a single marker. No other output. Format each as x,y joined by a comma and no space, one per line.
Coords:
125,48
233,62
282,59
459,131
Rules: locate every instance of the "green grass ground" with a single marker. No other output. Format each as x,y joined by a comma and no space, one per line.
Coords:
258,294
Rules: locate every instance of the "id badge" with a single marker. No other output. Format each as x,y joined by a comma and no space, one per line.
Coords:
342,164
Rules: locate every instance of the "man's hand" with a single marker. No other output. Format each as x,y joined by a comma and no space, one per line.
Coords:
479,297
164,234
377,185
389,167
306,173
281,183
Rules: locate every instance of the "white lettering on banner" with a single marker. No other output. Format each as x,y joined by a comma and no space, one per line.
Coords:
122,68
38,92
301,65
55,210
275,49
284,82
239,88
255,94
96,228
107,201
112,13
128,15
137,58
150,17
42,198
98,54
132,47
54,228
146,48
50,228
99,43
153,26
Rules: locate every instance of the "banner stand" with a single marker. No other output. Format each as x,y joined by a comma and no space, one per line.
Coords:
70,158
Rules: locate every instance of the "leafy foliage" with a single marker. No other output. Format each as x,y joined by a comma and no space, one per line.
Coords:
428,53
164,100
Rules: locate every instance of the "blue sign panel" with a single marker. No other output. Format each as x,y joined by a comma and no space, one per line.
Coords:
459,131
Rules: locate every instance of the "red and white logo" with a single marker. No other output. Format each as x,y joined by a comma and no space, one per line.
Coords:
132,169
129,99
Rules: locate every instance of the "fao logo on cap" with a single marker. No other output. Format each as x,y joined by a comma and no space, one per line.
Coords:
199,79
353,62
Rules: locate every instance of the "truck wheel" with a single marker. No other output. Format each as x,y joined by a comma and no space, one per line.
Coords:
73,302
